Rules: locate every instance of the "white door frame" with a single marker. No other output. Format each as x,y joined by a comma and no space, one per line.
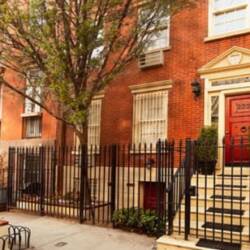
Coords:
221,91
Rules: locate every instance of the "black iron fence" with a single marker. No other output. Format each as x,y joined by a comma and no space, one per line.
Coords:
3,188
131,186
185,188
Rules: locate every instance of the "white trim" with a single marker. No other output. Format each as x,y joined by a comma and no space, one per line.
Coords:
222,92
151,30
32,114
150,87
212,12
144,118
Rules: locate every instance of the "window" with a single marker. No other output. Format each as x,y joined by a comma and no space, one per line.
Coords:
229,16
150,117
157,39
214,110
32,126
32,112
94,122
97,53
34,93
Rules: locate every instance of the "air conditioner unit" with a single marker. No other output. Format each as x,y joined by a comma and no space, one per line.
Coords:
150,59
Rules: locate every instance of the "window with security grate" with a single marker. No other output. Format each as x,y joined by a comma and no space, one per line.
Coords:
150,117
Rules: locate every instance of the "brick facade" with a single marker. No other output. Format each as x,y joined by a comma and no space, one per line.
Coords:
188,52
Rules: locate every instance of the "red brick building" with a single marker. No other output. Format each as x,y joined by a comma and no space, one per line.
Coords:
153,98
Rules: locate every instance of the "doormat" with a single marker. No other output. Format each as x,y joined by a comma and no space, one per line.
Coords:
218,245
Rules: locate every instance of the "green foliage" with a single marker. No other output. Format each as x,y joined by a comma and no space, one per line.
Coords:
207,144
78,46
139,220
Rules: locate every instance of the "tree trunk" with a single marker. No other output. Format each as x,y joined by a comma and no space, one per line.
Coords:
85,189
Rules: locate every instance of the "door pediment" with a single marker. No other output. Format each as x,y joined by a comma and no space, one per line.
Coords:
234,58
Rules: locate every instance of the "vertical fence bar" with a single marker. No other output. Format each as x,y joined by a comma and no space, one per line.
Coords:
11,165
187,187
170,151
83,166
41,170
113,179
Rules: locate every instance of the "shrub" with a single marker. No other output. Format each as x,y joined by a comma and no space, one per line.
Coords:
140,220
206,148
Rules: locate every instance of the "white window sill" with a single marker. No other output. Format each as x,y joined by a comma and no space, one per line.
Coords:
31,114
32,137
226,35
155,50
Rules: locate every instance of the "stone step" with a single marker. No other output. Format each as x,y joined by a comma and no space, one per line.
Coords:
198,230
202,215
218,202
223,226
236,170
209,181
226,191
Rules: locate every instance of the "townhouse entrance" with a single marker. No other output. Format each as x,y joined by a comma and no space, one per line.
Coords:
227,102
237,128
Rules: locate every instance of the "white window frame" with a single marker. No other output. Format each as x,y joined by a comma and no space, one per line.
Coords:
97,98
34,93
212,12
35,112
95,125
39,129
167,33
140,91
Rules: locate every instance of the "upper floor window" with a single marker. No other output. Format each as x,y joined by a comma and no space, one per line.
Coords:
32,119
34,93
228,16
158,35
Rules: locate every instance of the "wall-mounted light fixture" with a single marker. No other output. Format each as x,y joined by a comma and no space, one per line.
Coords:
149,163
196,87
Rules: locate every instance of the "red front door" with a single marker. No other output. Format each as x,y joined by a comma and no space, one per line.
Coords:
237,129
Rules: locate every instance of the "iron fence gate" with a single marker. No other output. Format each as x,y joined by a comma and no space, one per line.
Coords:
118,184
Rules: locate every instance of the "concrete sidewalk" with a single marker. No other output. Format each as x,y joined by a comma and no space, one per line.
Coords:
51,233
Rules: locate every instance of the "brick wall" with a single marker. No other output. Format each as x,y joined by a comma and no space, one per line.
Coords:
187,54
185,113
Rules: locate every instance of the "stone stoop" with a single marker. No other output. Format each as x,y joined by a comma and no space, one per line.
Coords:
215,200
